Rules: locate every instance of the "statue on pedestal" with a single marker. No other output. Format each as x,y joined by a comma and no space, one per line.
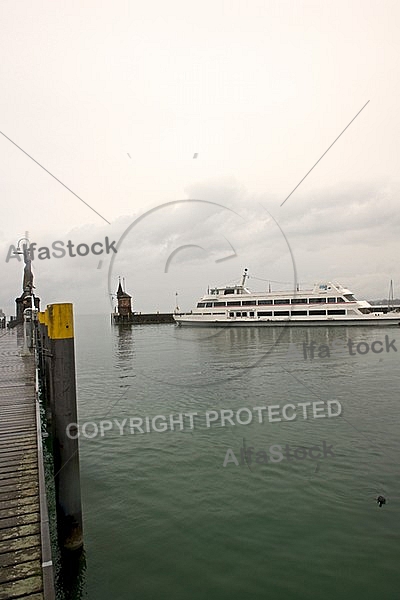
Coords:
27,284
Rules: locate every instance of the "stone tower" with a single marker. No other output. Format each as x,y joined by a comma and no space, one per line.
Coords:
124,302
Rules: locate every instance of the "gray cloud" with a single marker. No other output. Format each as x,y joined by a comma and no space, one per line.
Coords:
348,235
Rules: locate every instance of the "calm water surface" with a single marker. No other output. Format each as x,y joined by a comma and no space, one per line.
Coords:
164,518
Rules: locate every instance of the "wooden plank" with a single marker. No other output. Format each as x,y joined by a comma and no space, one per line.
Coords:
20,519
16,448
23,456
18,503
39,596
22,485
17,441
27,442
19,479
20,511
19,556
17,456
16,466
21,587
13,533
29,541
19,499
26,569
26,470
19,426
20,437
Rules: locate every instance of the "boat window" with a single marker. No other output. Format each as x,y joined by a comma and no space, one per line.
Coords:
226,292
318,301
264,313
231,314
350,297
317,312
264,302
336,311
298,313
299,300
238,314
219,313
281,313
219,303
244,314
251,314
339,300
209,304
282,301
234,303
200,304
248,302
331,300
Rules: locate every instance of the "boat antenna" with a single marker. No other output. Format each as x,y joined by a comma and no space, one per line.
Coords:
269,286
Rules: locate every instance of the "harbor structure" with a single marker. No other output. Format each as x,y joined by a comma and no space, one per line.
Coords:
37,379
124,302
124,315
25,550
25,547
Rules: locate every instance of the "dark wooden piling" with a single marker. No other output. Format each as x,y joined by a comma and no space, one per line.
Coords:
62,399
43,345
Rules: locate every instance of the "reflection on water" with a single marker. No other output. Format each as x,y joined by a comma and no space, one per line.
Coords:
72,576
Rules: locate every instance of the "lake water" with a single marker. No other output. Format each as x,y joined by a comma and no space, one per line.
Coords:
163,518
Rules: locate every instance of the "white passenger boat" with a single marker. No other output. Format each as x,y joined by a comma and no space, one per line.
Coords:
324,304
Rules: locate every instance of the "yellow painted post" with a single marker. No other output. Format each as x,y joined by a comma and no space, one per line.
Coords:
60,325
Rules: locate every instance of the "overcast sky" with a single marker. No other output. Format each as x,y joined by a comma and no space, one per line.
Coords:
115,98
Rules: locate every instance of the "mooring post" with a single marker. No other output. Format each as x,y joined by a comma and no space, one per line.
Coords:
46,367
40,344
64,413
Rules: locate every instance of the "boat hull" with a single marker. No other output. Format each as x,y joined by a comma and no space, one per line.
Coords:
359,322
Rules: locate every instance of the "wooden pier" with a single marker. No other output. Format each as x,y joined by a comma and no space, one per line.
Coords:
26,569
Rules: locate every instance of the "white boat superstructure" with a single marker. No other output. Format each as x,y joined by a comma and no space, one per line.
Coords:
325,304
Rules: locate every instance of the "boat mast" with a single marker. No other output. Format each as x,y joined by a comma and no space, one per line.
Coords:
391,296
244,277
